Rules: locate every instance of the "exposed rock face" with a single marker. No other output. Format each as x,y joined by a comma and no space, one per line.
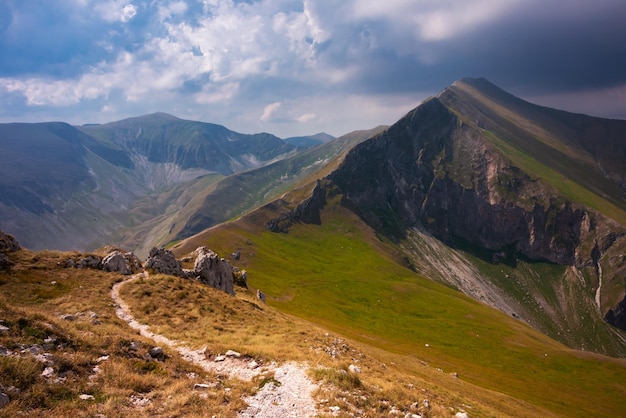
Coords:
213,270
432,169
120,262
307,211
8,243
617,315
163,261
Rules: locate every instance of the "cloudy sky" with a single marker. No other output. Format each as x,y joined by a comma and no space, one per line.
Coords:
300,67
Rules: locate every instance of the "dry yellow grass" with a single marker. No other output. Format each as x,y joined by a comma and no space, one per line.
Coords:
128,383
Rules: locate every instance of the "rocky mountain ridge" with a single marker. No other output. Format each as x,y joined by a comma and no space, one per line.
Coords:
475,169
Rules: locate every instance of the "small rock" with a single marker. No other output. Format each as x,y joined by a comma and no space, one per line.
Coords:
45,358
410,415
35,349
86,397
3,329
53,283
253,365
260,295
4,351
455,375
461,415
68,317
426,403
334,409
219,358
426,345
47,372
231,353
156,352
354,369
134,346
12,391
202,386
102,358
4,400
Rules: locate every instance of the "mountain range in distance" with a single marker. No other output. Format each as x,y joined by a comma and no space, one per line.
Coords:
471,179
387,236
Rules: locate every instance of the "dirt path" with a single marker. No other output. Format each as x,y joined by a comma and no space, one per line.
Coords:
291,396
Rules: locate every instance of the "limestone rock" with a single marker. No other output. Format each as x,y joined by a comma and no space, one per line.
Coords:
163,261
119,262
90,261
240,277
214,270
157,353
8,243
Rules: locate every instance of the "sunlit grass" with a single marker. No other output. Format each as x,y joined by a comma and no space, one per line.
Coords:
334,276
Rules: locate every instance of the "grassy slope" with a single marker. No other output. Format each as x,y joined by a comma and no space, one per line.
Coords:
338,275
540,144
32,299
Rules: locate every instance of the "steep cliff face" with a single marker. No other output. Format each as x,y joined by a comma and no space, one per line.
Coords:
433,168
538,219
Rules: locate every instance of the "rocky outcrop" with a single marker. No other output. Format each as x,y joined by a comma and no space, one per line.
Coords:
308,211
164,261
120,262
209,268
8,243
434,169
213,270
89,261
616,316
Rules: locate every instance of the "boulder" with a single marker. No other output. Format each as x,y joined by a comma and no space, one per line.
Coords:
163,261
8,243
89,262
214,270
240,277
120,262
5,263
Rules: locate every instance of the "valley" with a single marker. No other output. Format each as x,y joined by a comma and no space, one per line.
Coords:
463,259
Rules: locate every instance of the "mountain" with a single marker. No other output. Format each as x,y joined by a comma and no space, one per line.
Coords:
530,201
309,141
519,206
235,195
67,187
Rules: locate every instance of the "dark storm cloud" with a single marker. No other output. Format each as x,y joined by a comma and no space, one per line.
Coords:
323,64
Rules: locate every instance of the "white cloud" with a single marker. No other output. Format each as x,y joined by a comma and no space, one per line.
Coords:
434,20
211,94
269,110
115,10
306,117
128,12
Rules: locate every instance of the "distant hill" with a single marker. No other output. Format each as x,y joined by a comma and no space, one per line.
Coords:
309,141
66,187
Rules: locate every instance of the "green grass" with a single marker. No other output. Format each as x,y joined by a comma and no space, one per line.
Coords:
569,188
332,275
